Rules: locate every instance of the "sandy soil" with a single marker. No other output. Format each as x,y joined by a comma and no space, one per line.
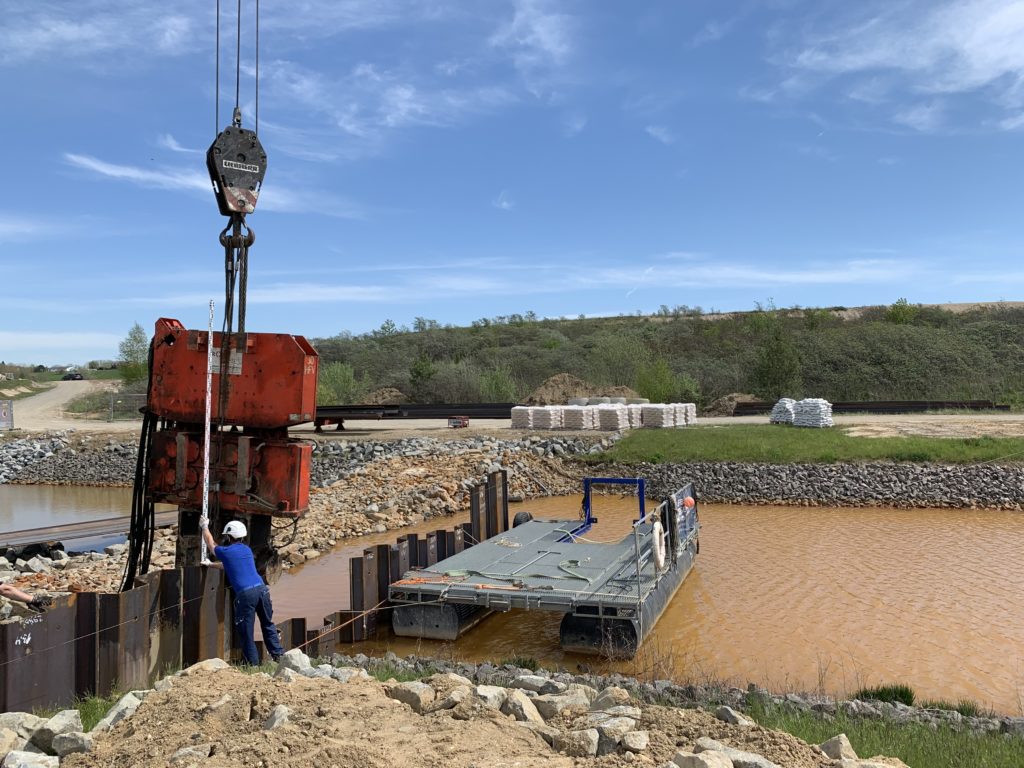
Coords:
356,725
45,412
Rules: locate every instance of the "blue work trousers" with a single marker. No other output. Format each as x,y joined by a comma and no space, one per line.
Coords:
249,604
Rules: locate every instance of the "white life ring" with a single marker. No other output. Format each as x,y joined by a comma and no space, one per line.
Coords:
657,533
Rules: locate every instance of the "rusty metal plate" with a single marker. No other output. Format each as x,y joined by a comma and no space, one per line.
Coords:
38,657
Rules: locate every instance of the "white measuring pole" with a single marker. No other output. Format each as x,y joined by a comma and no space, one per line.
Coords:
203,554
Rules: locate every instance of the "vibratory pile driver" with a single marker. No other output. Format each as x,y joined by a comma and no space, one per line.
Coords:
214,437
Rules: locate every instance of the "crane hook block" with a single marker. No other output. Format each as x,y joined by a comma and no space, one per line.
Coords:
236,162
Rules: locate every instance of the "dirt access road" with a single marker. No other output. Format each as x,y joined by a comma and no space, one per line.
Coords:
45,412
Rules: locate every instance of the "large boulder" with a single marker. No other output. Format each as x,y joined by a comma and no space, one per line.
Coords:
416,694
839,748
66,721
577,743
207,665
731,716
739,758
125,707
22,723
612,696
636,741
18,759
69,743
552,704
492,696
296,661
702,760
519,705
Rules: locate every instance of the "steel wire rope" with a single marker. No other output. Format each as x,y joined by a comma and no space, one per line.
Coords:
216,80
238,61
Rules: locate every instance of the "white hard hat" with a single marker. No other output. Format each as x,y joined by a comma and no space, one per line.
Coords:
235,529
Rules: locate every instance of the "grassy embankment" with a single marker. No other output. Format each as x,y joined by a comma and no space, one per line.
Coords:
779,444
32,387
917,745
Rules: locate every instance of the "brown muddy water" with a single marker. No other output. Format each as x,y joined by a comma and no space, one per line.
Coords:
793,598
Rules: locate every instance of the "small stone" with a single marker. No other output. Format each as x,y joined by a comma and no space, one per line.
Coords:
162,686
739,758
550,705
454,697
577,743
537,684
286,675
345,674
839,748
730,715
191,753
278,717
416,694
636,741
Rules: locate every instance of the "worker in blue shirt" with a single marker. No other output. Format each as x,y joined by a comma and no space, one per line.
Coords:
252,596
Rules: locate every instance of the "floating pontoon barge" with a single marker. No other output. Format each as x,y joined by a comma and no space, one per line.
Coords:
612,594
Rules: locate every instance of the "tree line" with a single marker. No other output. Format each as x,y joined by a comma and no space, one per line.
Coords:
902,351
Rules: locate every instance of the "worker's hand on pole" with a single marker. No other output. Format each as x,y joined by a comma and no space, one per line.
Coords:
204,523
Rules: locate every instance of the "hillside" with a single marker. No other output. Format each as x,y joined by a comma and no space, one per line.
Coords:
903,351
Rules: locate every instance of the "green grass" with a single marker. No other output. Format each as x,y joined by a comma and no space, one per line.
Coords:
34,386
92,709
90,402
385,670
523,662
917,745
780,444
965,707
890,693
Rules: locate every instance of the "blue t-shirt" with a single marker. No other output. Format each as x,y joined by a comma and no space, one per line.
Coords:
239,566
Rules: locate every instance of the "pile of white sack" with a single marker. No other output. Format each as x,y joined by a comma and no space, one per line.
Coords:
782,412
812,412
521,417
610,417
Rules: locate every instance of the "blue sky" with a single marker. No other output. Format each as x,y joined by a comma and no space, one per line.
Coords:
458,159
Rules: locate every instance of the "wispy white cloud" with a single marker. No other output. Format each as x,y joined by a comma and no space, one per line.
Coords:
272,197
167,141
921,117
162,178
662,133
19,227
356,111
713,31
540,40
35,29
891,51
503,202
573,124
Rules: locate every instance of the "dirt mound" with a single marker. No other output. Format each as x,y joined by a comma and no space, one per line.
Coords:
559,388
356,725
724,406
384,396
619,392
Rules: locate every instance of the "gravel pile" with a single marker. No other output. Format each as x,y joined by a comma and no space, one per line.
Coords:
851,485
18,457
63,459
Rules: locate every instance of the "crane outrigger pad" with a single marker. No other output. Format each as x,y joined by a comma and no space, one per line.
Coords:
237,163
611,594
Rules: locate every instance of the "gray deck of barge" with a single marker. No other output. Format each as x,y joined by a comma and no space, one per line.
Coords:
528,567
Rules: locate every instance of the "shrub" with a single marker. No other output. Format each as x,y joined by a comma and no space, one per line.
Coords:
891,693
